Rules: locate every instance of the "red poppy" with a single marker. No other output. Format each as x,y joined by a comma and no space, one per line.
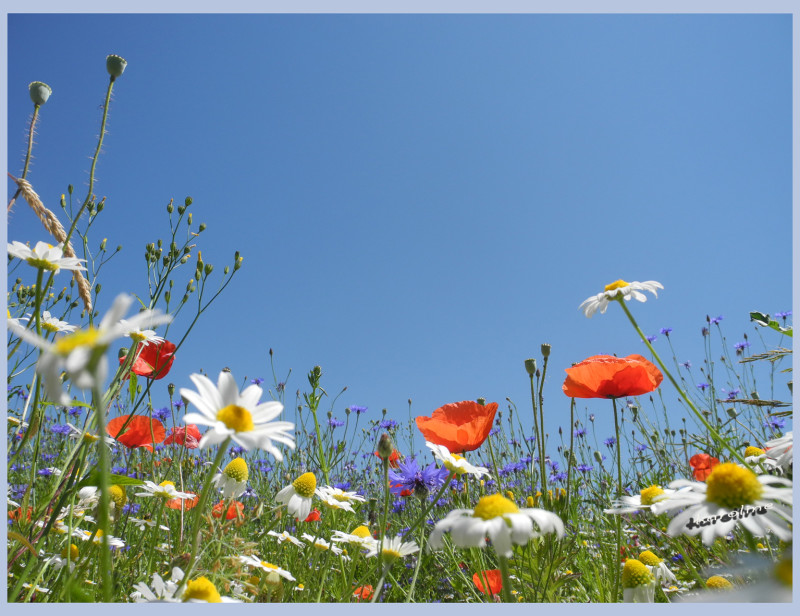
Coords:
363,593
188,436
154,360
605,376
494,578
460,426
314,516
394,459
702,464
16,514
140,432
235,510
184,503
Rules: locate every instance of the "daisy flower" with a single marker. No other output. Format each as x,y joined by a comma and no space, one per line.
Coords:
237,415
298,495
644,500
638,584
658,568
233,479
45,256
758,460
780,450
731,495
336,498
393,549
53,325
81,354
202,590
615,290
500,519
454,462
360,536
321,544
159,590
85,535
165,490
284,536
137,334
253,561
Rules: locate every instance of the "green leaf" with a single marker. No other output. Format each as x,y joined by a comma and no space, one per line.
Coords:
93,479
764,320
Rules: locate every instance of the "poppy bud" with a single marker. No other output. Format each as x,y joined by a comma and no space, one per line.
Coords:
545,350
171,389
385,447
39,93
115,66
481,401
598,456
530,366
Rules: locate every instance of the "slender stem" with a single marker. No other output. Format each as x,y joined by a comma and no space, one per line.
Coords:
103,464
571,444
494,463
714,434
503,562
618,525
31,131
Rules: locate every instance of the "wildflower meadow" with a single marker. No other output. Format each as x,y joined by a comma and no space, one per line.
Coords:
125,484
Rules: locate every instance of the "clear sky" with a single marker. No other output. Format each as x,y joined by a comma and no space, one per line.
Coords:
422,200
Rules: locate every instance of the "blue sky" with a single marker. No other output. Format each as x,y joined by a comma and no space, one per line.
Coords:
422,200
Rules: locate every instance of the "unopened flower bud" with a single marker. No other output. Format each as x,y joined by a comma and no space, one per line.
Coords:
545,350
202,227
115,66
171,389
385,446
170,207
530,366
481,401
187,201
208,269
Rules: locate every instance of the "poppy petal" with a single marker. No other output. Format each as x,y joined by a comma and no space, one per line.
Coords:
140,432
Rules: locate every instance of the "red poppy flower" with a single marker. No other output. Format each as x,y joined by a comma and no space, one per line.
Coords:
188,436
183,503
314,516
363,593
702,464
605,376
16,514
140,432
235,510
394,459
494,578
154,360
460,426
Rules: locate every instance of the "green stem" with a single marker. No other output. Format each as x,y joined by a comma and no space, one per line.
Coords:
618,525
31,131
715,435
102,511
506,591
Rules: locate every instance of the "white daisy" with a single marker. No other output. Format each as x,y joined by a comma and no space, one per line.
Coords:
644,500
759,462
731,495
202,590
361,536
233,479
284,536
336,498
238,415
321,544
780,450
500,519
52,324
393,548
454,462
81,354
85,535
159,590
45,256
256,562
137,334
298,495
638,584
165,490
620,288
658,568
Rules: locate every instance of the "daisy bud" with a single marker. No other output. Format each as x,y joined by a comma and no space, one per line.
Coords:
170,207
188,201
545,350
189,219
530,366
202,227
115,66
717,582
208,269
385,447
39,93
63,202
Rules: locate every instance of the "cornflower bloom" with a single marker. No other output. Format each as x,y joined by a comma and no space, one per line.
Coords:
420,481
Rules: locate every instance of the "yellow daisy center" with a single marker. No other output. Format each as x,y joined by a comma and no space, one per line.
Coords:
236,418
649,559
717,582
43,264
49,327
83,337
753,451
390,555
305,485
91,438
634,574
342,498
731,486
137,336
237,469
72,550
166,483
530,502
268,565
490,507
452,466
201,589
649,494
118,496
619,284
362,531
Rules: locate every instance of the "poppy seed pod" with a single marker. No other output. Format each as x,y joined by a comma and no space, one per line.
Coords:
115,65
385,446
39,92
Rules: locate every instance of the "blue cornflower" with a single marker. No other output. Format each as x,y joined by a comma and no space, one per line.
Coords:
584,468
783,315
703,386
342,486
409,476
49,456
678,558
665,331
641,448
60,429
257,381
610,441
716,320
398,506
732,394
161,414
579,433
178,404
652,338
687,364
358,409
132,508
75,411
44,472
494,431
335,423
387,424
775,423
560,477
119,470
